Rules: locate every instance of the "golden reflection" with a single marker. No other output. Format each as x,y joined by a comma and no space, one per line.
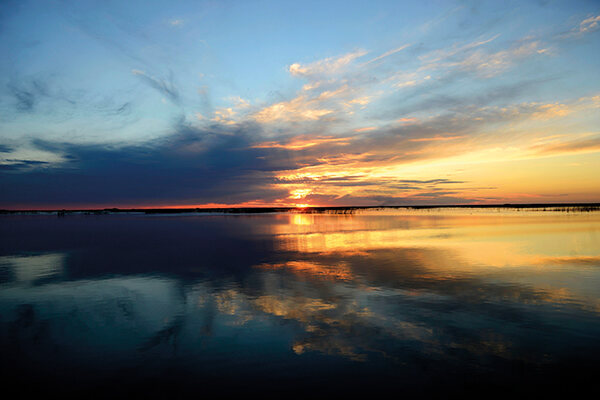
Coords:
473,257
302,219
340,271
299,308
477,238
330,324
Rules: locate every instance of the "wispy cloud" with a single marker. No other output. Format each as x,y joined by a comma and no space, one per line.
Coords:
165,87
300,143
386,54
590,24
437,138
486,64
587,25
176,22
584,145
444,54
365,129
327,66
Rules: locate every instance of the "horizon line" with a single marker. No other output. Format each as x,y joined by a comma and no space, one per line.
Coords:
181,209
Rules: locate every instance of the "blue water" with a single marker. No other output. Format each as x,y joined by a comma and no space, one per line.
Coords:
445,303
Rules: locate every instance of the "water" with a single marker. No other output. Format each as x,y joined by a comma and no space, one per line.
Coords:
428,302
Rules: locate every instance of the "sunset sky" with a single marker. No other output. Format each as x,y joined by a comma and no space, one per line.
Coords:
280,103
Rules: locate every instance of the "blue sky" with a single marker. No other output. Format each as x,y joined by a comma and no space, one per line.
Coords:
276,102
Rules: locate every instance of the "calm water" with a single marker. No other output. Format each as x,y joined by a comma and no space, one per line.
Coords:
427,302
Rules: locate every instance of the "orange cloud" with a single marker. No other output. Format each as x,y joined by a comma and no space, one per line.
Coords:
303,143
365,129
573,146
407,120
437,138
298,109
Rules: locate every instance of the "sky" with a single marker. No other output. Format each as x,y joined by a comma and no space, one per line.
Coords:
281,103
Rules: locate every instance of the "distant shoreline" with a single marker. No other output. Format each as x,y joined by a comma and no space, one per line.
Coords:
565,207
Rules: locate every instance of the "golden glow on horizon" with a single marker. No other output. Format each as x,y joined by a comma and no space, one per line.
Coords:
540,156
542,170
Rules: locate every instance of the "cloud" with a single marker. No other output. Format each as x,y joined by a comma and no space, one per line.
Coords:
25,99
240,102
28,157
29,92
437,98
192,166
485,63
590,24
203,165
584,145
326,66
300,143
387,54
365,129
20,165
548,111
447,53
587,25
165,87
437,138
407,120
200,165
324,102
488,65
338,89
224,115
298,109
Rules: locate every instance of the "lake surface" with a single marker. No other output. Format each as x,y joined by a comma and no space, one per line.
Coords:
428,302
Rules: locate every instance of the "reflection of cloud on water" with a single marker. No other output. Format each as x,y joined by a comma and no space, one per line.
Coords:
298,308
27,269
339,271
411,317
229,302
332,325
90,316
